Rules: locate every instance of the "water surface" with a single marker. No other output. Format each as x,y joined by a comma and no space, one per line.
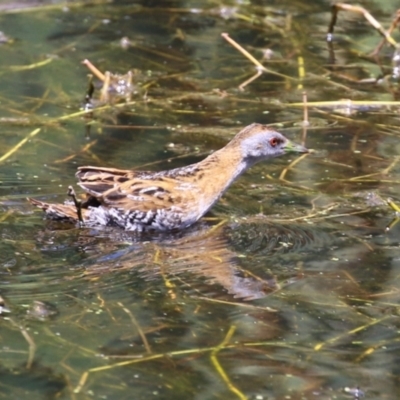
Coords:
286,290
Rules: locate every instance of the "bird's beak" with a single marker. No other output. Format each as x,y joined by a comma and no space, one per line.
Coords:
291,147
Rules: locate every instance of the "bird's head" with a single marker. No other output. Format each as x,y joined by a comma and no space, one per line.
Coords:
259,142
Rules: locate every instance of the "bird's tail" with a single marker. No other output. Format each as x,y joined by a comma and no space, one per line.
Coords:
57,211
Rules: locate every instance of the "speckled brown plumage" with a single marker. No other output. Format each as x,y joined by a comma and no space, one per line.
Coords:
173,199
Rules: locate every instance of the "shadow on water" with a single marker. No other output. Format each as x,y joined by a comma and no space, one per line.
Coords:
288,287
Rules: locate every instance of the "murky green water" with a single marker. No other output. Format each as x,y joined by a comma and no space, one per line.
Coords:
289,287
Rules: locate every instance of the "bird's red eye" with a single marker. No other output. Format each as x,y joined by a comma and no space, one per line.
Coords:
274,142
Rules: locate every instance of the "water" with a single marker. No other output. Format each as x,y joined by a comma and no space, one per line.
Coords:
287,289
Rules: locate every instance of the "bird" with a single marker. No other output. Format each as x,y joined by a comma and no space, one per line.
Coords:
172,199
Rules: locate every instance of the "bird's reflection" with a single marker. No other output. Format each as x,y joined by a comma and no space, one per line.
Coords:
222,255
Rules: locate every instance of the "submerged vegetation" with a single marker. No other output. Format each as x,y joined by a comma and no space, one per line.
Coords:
289,287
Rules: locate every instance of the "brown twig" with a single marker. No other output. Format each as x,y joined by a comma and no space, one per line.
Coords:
137,326
31,343
393,26
259,66
96,72
291,165
360,10
219,368
20,144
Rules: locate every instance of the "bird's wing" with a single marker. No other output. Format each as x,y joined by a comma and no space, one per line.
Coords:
136,190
